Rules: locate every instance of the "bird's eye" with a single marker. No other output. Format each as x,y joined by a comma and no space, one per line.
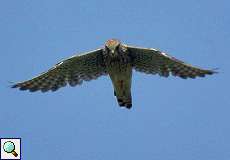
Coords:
106,48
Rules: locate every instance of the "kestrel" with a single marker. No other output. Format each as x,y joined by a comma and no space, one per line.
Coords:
116,60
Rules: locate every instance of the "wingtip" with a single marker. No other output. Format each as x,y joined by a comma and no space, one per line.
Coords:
17,85
12,84
215,70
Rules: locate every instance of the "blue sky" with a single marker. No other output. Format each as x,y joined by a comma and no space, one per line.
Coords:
171,118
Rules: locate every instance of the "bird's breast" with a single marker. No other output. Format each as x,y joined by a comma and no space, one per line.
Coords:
117,65
118,59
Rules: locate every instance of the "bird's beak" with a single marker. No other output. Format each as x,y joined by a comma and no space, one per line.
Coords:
112,51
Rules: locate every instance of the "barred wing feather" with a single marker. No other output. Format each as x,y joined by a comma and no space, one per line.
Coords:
152,61
72,71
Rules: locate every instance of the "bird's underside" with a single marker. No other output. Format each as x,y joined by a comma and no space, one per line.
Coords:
116,60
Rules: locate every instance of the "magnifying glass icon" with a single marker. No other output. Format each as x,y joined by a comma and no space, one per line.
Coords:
9,147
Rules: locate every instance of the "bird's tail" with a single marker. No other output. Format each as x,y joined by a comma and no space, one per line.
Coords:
124,100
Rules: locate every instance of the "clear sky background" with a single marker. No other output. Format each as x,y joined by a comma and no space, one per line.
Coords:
171,118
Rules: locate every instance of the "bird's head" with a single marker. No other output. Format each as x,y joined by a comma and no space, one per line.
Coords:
112,46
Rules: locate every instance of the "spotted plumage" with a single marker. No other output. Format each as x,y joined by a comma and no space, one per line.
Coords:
116,60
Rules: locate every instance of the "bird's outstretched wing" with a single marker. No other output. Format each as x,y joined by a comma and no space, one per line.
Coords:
152,61
72,71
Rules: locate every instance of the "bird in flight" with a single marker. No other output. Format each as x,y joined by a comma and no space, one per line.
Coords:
117,60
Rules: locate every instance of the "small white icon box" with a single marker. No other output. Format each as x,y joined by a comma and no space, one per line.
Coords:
10,148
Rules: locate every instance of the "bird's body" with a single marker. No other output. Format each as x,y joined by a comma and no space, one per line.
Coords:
116,60
119,68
